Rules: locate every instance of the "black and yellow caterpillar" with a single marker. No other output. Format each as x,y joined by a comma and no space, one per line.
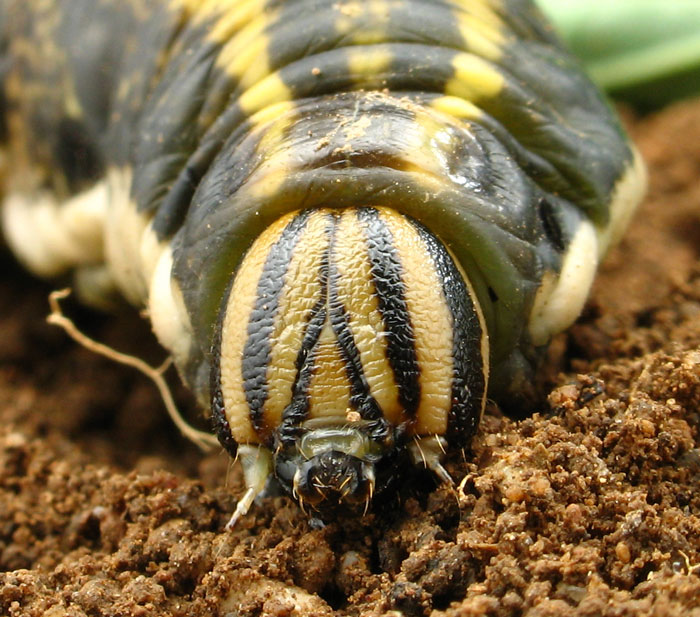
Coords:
350,221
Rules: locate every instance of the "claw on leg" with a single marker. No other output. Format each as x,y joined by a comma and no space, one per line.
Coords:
257,467
429,452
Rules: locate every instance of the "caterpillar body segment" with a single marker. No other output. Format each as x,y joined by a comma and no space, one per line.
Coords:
350,221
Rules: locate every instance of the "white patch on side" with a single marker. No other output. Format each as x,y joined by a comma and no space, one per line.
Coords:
124,237
51,237
626,196
559,301
141,265
167,311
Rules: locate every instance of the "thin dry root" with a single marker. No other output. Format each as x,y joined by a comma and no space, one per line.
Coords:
203,440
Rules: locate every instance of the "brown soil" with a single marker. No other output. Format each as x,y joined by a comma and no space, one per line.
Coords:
590,507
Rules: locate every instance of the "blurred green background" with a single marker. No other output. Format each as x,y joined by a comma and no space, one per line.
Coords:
644,51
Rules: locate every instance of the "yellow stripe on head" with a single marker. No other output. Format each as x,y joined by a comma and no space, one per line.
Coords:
358,296
301,291
329,388
234,333
431,320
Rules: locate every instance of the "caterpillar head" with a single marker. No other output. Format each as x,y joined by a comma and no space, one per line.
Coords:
333,466
348,339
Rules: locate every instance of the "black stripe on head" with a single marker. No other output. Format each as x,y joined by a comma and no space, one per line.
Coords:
361,398
391,298
468,382
256,352
295,413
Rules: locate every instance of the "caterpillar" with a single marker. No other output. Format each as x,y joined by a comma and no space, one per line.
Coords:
350,221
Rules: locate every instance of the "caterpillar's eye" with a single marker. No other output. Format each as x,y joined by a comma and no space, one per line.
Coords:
331,466
334,477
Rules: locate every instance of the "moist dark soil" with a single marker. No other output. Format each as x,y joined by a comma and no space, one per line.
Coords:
591,506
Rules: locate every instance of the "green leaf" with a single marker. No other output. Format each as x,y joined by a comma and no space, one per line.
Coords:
646,51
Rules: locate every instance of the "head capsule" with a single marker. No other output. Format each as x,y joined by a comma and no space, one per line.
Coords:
334,466
348,339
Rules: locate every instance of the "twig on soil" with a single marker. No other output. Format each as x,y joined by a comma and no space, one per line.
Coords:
203,440
690,568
